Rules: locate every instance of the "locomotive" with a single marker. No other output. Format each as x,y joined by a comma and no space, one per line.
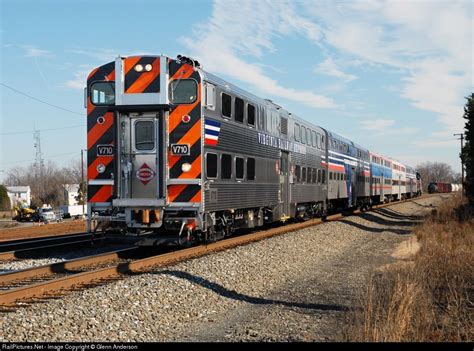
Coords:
175,149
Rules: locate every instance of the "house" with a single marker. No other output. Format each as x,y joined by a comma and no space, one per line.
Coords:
19,194
71,192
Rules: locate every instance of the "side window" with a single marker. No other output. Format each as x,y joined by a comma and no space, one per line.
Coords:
314,139
330,175
303,135
303,180
323,142
308,136
250,168
323,176
239,110
251,114
239,168
297,132
211,165
226,105
226,166
319,176
313,175
298,173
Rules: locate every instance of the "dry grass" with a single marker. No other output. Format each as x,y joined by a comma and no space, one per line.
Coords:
432,299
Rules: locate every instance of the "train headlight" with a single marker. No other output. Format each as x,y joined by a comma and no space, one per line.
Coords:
100,168
148,67
186,167
138,68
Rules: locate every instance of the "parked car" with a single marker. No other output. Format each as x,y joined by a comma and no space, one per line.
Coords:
47,215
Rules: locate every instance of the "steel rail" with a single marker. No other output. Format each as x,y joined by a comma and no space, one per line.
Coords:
10,245
11,255
11,297
62,267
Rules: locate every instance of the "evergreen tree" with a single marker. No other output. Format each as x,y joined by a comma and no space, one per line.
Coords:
4,199
467,154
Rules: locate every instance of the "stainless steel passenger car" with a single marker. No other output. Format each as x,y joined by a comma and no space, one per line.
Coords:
175,149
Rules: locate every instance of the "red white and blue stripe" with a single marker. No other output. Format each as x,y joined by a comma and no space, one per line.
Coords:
211,132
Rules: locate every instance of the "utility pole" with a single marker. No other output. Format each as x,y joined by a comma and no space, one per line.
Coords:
461,137
39,164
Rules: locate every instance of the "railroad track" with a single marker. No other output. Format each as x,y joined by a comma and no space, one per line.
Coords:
55,280
13,249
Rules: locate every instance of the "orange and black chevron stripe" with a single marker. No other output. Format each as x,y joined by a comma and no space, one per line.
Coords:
99,132
185,133
143,81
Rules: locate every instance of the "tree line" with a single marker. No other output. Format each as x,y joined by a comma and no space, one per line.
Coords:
47,185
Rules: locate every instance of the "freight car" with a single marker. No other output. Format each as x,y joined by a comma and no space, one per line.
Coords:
441,187
175,149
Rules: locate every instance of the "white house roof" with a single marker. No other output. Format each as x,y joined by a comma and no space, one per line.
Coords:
71,187
18,189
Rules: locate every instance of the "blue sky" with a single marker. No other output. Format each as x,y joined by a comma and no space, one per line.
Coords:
389,75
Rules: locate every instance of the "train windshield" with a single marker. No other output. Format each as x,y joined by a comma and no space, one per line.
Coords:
183,91
102,93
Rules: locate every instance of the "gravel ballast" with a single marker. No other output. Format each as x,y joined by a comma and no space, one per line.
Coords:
294,287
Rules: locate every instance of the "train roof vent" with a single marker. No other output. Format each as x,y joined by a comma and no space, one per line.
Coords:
284,125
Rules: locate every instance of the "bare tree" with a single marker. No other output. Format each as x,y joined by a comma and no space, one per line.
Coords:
435,172
48,188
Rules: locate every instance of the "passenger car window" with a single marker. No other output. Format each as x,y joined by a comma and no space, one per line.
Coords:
211,165
251,114
183,91
226,166
226,105
239,110
250,168
297,132
239,168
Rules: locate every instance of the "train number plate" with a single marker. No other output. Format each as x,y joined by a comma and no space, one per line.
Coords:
105,150
180,149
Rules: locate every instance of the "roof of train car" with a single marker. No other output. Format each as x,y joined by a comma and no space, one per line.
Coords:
212,78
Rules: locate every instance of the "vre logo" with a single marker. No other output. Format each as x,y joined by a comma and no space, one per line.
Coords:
145,174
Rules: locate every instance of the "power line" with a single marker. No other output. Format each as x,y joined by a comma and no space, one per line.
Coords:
39,100
43,130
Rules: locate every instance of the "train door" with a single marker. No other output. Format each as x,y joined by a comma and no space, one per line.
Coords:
144,143
382,186
353,190
399,187
140,155
284,185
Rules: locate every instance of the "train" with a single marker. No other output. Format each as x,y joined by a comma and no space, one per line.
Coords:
175,150
441,187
